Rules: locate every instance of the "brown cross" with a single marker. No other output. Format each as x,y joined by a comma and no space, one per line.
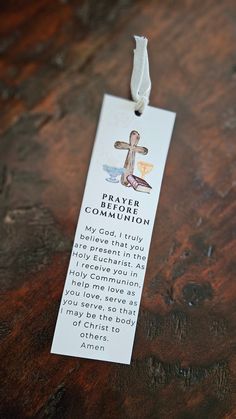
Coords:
132,148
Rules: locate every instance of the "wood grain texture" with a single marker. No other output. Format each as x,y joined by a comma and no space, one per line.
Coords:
57,59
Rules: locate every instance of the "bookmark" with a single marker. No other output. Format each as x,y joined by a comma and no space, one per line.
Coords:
99,307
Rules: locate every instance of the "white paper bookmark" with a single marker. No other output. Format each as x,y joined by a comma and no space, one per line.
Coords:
99,308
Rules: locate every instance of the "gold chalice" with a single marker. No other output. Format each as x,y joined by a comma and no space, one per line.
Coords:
144,168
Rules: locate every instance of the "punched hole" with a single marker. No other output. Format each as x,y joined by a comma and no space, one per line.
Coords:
137,113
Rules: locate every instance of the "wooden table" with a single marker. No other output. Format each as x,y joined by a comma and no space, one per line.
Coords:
57,59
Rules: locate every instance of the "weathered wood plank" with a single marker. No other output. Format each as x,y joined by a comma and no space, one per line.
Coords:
57,58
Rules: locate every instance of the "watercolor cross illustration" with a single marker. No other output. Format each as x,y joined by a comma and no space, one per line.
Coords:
132,148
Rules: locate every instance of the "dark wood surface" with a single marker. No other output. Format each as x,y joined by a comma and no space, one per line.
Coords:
57,59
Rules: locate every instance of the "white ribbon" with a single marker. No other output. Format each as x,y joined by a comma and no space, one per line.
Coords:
140,80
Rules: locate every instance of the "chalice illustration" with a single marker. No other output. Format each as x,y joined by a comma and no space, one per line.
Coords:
144,168
113,172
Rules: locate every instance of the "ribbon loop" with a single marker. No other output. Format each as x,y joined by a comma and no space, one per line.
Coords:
140,80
